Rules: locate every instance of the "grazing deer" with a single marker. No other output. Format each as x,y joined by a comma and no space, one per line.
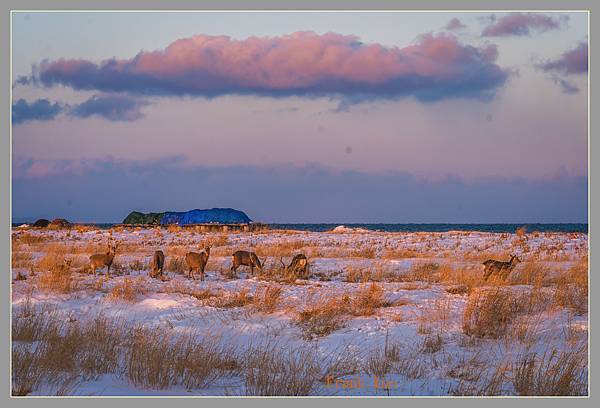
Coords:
298,267
247,259
158,262
501,268
102,260
197,261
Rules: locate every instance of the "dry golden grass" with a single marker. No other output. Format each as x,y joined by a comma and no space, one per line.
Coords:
556,373
283,249
176,265
320,318
274,370
128,290
240,298
267,298
324,316
367,300
572,288
21,259
488,313
150,358
182,288
432,344
55,274
156,360
62,351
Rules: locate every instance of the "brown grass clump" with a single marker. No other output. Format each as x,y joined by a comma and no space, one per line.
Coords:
237,299
21,259
488,313
176,264
323,317
267,298
272,370
127,290
181,288
367,300
26,375
56,353
356,275
530,273
572,289
432,344
458,290
156,360
558,373
364,252
424,272
56,274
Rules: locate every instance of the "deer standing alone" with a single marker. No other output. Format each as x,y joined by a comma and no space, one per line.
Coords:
298,267
245,258
158,262
102,260
197,261
493,267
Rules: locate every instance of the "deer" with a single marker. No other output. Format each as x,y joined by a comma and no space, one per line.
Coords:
502,268
158,262
298,266
102,260
247,259
197,261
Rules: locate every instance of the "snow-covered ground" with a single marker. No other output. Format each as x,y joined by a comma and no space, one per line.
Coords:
420,328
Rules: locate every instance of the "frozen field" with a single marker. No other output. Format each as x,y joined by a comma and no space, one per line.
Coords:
381,314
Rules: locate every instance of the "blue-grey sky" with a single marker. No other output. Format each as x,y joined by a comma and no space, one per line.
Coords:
302,117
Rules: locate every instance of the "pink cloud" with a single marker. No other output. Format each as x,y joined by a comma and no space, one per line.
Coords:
302,63
574,61
454,24
521,24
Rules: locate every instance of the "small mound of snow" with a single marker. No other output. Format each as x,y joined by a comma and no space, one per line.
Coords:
23,226
344,229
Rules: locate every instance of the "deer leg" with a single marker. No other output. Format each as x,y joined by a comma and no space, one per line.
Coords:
252,270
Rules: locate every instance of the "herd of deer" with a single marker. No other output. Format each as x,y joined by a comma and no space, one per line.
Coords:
197,262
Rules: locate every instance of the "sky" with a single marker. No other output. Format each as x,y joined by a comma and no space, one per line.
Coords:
386,117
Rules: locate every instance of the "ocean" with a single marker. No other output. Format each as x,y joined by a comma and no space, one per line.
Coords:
510,228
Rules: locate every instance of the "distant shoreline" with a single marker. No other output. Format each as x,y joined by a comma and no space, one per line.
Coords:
413,227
